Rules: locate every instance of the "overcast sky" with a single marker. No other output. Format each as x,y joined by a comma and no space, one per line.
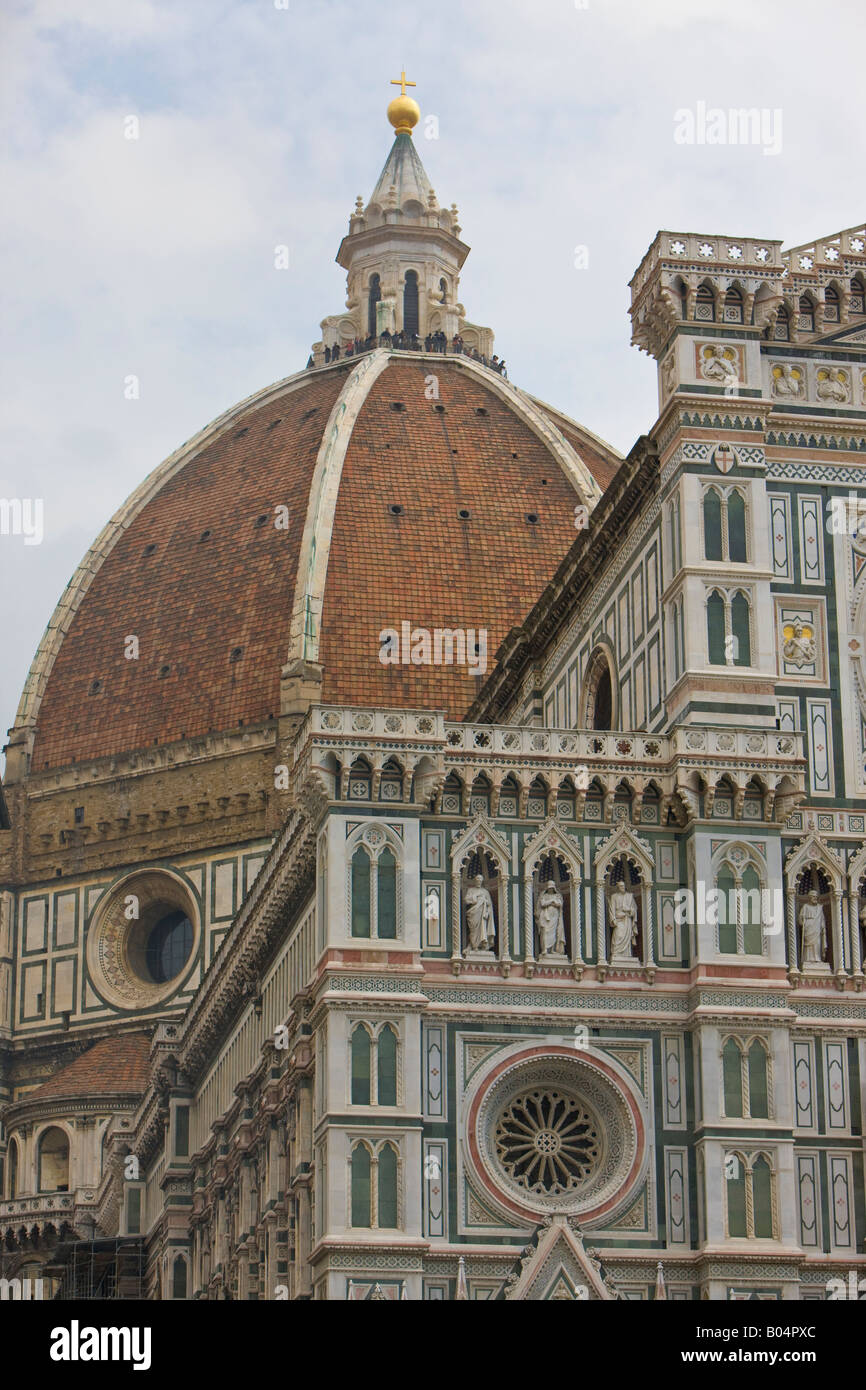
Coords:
259,123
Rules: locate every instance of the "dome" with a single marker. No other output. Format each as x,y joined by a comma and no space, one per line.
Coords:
396,488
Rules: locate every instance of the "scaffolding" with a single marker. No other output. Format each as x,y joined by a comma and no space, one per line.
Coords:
88,1270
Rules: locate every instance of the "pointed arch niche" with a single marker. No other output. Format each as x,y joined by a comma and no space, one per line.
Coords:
813,867
480,853
553,857
624,862
598,707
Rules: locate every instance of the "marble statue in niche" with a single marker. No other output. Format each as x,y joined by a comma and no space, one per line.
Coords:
480,924
623,920
813,927
549,921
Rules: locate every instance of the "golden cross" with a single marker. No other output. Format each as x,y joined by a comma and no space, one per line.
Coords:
402,83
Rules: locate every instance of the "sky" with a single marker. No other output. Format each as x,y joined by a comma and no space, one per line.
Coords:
155,152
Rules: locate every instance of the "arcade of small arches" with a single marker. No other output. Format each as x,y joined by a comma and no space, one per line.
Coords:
784,318
599,796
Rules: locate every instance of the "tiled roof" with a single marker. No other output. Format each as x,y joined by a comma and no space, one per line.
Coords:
205,580
114,1066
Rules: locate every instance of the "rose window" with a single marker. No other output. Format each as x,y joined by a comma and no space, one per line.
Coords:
555,1132
547,1141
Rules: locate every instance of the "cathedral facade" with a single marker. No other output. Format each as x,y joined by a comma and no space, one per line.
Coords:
433,845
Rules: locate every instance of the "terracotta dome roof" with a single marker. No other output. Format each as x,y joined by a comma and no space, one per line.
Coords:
374,476
114,1066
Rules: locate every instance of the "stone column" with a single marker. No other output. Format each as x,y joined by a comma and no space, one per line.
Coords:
301,1182
854,923
837,908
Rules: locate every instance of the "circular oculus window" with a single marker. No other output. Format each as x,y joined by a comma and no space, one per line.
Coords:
142,940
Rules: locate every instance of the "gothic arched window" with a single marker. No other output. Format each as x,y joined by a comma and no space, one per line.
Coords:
727,890
732,1074
752,917
750,1198
386,1066
741,630
360,892
410,303
725,530
762,1198
782,330
373,1064
386,1214
386,890
374,900
362,1207
735,1192
374,1186
360,1066
597,700
745,1079
373,298
831,304
857,298
712,524
741,885
716,629
806,321
736,527
759,1088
